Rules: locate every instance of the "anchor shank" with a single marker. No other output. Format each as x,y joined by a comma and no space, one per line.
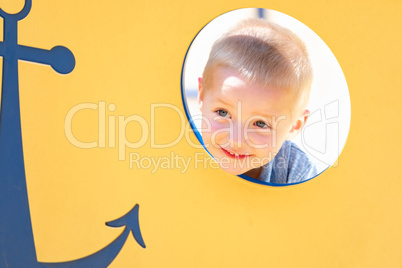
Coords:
16,237
10,32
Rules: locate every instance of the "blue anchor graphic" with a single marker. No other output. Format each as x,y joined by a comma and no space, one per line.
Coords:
17,247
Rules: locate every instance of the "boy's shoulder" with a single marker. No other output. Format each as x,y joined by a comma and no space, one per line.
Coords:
290,165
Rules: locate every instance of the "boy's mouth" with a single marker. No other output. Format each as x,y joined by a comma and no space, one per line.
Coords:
235,155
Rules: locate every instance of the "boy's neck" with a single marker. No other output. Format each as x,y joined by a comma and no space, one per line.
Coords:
254,173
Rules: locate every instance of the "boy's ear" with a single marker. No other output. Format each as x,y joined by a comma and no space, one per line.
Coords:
298,125
200,93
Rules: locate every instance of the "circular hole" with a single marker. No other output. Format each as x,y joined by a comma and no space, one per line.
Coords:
231,113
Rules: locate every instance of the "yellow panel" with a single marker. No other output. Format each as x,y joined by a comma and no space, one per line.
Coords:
130,54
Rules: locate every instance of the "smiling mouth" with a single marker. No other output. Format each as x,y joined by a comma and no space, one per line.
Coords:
235,155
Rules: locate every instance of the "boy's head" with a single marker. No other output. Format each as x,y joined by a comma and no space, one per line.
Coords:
253,95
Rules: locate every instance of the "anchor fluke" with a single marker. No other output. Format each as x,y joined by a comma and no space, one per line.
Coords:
130,220
106,255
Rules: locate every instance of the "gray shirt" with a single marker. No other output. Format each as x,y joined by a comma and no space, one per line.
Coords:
290,165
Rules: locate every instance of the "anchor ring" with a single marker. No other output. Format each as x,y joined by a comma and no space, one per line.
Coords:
20,15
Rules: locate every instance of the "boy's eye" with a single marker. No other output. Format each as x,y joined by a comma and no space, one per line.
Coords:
261,124
223,113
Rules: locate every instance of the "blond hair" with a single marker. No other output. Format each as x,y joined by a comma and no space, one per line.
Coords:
263,53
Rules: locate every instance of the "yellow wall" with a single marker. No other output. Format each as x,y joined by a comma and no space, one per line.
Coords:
130,53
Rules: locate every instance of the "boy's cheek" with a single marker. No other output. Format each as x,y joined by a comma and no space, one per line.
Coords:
220,128
218,125
258,140
213,135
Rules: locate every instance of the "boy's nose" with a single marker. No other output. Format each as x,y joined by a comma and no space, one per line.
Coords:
237,139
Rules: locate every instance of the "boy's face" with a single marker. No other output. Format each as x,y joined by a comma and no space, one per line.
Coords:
245,124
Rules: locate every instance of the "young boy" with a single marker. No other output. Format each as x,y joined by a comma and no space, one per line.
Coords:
253,97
